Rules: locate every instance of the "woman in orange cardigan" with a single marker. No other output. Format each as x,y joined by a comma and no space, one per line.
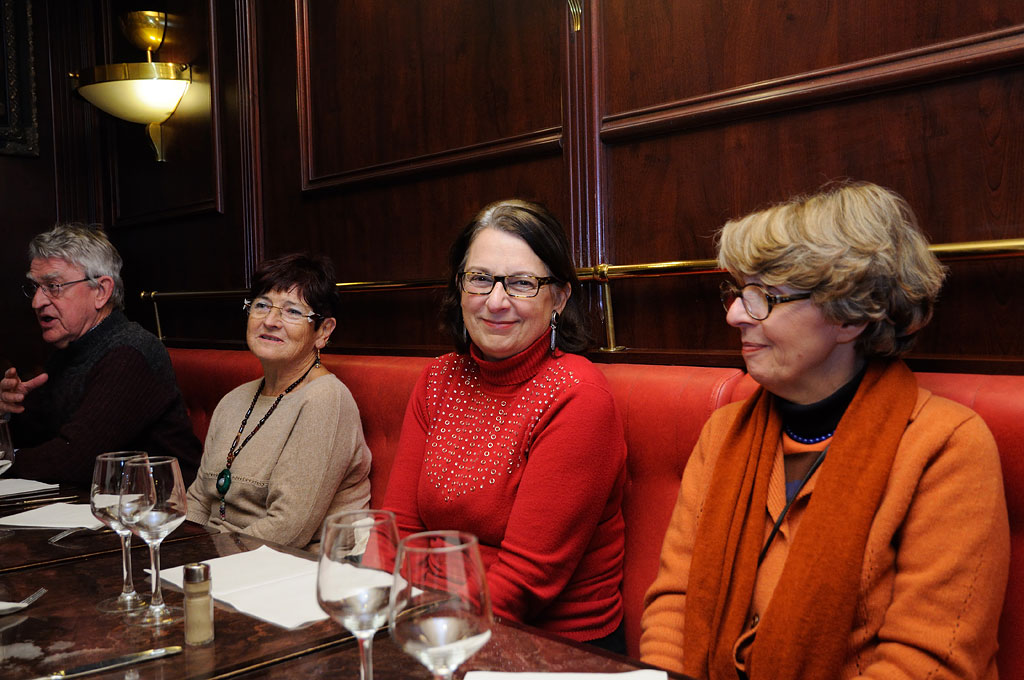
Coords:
841,522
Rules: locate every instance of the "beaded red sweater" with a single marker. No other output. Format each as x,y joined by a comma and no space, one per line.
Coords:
527,453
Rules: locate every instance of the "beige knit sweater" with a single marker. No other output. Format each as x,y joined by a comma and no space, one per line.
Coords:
308,460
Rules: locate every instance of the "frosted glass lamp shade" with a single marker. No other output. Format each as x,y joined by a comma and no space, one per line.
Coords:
147,92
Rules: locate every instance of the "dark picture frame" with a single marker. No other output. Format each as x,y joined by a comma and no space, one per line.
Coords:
19,119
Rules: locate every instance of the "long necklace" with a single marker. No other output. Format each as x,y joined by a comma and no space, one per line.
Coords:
224,478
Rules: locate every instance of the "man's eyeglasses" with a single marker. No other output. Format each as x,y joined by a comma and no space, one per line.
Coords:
258,309
517,285
757,301
50,290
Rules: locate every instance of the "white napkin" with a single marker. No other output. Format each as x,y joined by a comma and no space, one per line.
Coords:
264,583
54,516
9,487
646,674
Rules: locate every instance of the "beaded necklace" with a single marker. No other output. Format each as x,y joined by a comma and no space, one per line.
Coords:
224,478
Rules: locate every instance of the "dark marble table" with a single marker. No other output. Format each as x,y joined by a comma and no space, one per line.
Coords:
64,629
30,548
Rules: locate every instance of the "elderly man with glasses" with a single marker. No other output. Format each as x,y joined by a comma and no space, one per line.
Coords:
109,386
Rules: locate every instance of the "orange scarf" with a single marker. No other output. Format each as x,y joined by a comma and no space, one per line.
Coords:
805,631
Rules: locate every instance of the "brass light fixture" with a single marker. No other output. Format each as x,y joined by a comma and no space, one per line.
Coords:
144,92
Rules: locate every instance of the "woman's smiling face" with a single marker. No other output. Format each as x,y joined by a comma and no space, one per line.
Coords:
501,326
274,341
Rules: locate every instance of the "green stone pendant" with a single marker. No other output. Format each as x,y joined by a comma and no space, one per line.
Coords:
223,481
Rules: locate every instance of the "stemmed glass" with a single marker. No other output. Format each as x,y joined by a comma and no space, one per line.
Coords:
440,607
104,495
357,553
152,505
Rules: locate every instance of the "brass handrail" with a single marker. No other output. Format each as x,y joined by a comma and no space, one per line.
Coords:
602,274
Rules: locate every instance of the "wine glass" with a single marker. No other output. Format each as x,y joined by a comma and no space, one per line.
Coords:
440,607
152,505
104,495
353,583
6,446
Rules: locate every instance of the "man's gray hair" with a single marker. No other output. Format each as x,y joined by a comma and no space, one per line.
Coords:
84,245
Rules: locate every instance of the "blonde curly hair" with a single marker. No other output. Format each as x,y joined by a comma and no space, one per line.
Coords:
856,247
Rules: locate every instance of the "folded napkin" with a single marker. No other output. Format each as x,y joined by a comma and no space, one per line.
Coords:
9,487
647,674
263,583
54,516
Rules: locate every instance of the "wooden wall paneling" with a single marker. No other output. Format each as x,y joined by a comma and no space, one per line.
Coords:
659,51
425,86
954,149
178,224
27,197
190,182
78,153
465,109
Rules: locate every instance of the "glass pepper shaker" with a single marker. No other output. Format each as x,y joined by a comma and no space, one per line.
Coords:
198,604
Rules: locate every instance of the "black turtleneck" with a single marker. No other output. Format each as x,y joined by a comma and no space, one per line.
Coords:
813,421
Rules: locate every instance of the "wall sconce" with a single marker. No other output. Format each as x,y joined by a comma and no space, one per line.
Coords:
143,92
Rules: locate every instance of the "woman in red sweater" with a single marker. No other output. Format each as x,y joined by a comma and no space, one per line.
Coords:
515,438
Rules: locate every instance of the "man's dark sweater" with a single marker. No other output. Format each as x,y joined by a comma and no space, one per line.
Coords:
113,389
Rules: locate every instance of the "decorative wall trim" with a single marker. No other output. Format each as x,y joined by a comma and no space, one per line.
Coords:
954,59
534,144
19,119
246,38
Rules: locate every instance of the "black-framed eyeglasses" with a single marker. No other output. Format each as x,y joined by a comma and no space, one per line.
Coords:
259,309
50,290
515,285
757,301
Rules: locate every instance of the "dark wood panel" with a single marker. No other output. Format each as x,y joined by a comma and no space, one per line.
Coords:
955,150
656,51
424,77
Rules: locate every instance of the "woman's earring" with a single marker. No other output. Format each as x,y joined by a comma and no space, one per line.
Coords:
554,329
316,364
465,335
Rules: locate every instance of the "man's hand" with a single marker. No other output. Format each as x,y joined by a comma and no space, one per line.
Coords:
13,390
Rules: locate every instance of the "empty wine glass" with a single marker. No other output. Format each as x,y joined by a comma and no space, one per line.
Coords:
152,505
104,495
353,584
6,446
440,607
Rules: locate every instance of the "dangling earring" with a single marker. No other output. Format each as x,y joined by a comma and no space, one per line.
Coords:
554,329
316,364
465,334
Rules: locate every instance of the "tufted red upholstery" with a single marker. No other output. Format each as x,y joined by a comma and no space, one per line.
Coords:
663,409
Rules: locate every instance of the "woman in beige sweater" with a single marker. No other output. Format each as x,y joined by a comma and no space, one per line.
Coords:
284,451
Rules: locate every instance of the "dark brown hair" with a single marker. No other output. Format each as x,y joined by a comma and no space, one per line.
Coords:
311,275
540,229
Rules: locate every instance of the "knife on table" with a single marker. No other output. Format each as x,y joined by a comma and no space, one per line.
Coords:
117,662
36,501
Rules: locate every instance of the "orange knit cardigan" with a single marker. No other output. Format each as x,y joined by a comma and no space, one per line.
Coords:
935,566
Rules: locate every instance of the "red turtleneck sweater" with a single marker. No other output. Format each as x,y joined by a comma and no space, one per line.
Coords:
527,453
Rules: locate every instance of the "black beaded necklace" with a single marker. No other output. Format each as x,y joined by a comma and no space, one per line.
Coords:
224,478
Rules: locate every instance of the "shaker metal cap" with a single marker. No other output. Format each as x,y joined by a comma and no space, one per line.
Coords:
197,572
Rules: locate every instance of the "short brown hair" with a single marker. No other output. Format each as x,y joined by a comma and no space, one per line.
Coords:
859,250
